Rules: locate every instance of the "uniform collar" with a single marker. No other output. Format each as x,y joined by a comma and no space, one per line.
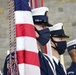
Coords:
55,59
74,64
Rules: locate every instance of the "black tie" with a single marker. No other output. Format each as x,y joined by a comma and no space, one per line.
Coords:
61,67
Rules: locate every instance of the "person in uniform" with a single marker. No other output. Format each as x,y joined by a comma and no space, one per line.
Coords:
7,63
58,45
72,52
41,23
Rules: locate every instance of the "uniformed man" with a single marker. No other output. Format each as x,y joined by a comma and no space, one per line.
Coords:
72,52
59,45
40,19
6,68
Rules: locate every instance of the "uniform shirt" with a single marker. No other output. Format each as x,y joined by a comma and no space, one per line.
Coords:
59,67
44,65
72,69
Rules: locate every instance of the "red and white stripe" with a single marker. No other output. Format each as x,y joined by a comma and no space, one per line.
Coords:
27,53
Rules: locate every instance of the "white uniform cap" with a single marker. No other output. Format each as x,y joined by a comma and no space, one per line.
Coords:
57,26
71,45
40,16
57,30
39,11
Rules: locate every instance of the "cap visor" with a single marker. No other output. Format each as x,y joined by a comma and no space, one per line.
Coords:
49,25
62,36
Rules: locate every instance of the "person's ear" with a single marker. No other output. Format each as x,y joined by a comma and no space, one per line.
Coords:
52,44
74,53
37,35
51,41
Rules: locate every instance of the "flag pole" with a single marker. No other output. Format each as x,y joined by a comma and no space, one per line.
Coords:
42,2
62,59
36,3
31,5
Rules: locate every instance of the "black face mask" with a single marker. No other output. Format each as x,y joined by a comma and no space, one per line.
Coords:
60,46
44,36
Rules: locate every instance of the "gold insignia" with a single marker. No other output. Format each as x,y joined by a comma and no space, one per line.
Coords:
13,61
46,13
74,47
8,63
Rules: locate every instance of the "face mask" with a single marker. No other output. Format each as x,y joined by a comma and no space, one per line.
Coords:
44,36
60,46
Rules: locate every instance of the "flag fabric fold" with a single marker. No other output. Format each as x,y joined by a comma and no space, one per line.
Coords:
27,53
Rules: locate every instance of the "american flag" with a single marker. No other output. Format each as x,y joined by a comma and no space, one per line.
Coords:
27,53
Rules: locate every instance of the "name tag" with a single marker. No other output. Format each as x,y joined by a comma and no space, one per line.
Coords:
71,73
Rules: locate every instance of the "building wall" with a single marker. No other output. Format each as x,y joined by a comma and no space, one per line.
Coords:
3,31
